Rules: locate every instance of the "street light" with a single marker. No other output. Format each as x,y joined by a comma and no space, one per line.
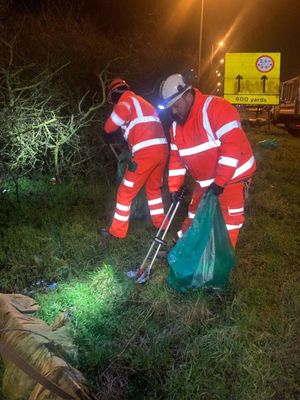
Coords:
213,51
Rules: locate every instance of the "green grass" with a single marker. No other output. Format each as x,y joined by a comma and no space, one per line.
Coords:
148,342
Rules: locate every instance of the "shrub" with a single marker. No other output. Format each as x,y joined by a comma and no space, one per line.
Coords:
40,123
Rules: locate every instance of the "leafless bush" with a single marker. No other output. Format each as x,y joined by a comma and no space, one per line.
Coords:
40,121
45,113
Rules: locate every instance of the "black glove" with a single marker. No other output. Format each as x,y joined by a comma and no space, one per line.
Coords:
216,189
178,196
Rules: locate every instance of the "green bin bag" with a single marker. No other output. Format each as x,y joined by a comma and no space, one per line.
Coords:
204,256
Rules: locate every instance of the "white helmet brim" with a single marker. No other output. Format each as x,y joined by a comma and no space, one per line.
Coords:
172,99
172,89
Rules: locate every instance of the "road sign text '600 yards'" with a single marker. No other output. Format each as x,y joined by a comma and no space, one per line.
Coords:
252,78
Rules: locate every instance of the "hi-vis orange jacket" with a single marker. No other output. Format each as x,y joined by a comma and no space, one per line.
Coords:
139,122
211,145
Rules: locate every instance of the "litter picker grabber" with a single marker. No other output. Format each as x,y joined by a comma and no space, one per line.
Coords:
143,272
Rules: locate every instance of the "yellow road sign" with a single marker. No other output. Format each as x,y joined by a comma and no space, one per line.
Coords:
252,78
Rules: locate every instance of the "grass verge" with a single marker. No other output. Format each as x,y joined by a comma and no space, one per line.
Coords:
147,342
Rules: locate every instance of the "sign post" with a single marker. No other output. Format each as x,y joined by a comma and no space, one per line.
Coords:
252,78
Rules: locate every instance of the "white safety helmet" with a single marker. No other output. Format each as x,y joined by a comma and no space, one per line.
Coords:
172,89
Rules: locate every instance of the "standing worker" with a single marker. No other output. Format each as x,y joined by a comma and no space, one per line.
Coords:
142,129
207,141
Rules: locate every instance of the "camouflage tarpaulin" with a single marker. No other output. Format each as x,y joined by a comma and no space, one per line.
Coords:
40,346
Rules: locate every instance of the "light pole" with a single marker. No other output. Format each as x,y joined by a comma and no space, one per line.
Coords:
200,37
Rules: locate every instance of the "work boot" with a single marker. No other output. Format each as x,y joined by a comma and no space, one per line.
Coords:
163,254
104,233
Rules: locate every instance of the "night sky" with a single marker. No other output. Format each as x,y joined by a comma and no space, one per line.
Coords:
246,25
257,26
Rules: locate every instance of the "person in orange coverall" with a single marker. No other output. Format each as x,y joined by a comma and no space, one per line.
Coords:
143,131
207,141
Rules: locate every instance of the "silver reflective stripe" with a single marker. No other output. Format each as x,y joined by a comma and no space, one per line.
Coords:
206,123
205,183
177,172
137,107
235,210
229,161
227,128
116,119
147,143
157,212
243,168
174,125
121,217
173,146
200,148
121,207
155,201
128,183
232,227
139,120
191,215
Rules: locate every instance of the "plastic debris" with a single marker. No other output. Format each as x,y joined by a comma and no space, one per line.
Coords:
268,143
131,274
40,286
52,285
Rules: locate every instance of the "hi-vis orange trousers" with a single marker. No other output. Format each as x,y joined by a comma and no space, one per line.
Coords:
232,205
151,163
